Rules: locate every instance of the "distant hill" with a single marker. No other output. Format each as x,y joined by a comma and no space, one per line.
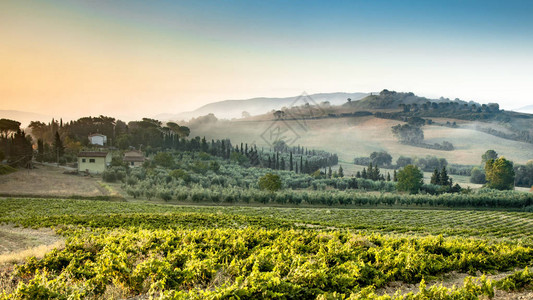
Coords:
391,100
526,109
229,109
23,117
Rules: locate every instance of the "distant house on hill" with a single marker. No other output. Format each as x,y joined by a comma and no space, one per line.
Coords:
94,162
134,158
97,139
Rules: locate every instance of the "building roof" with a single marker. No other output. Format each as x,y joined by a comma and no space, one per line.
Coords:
134,158
96,134
133,153
92,154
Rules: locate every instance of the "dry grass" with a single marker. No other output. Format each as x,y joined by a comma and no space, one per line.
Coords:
37,252
49,181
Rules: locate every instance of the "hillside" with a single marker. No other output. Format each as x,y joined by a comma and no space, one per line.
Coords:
229,109
359,136
526,109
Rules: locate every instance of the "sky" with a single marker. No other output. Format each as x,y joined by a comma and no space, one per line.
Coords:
133,59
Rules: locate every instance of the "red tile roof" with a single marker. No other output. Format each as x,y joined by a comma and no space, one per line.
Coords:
92,154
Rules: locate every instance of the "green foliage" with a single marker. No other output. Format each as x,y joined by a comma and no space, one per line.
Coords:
142,250
164,159
381,159
113,174
58,147
410,179
117,161
180,174
518,281
239,158
270,182
500,174
488,155
408,134
524,174
478,176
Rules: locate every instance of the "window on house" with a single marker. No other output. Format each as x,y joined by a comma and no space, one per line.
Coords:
91,160
83,160
132,163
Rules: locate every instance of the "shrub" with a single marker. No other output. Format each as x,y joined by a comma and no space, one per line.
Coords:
270,182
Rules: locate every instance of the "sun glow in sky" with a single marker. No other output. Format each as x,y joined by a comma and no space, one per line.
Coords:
132,59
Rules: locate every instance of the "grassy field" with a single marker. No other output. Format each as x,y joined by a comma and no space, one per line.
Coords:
124,250
50,181
353,137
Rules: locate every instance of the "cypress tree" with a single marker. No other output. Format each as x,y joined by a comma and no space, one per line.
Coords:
341,172
435,178
329,172
363,174
282,164
444,178
290,161
40,150
394,178
59,149
376,174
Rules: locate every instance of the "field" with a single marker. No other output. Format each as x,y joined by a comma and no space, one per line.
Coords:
360,136
50,181
124,249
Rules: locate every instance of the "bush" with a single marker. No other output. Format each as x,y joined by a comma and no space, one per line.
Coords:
477,176
114,174
270,182
410,179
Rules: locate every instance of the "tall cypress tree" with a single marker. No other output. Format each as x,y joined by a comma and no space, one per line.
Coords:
435,178
59,149
444,178
341,172
290,161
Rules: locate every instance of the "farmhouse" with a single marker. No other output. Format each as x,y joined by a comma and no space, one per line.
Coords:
93,162
97,139
134,158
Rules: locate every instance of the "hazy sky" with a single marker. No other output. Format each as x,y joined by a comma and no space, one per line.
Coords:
139,58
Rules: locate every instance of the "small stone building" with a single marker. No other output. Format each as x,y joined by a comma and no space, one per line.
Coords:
94,162
134,158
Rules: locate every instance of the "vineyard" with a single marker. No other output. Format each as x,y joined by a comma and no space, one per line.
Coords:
123,249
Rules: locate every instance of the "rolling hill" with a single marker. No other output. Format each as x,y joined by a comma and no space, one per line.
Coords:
526,109
472,128
229,109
